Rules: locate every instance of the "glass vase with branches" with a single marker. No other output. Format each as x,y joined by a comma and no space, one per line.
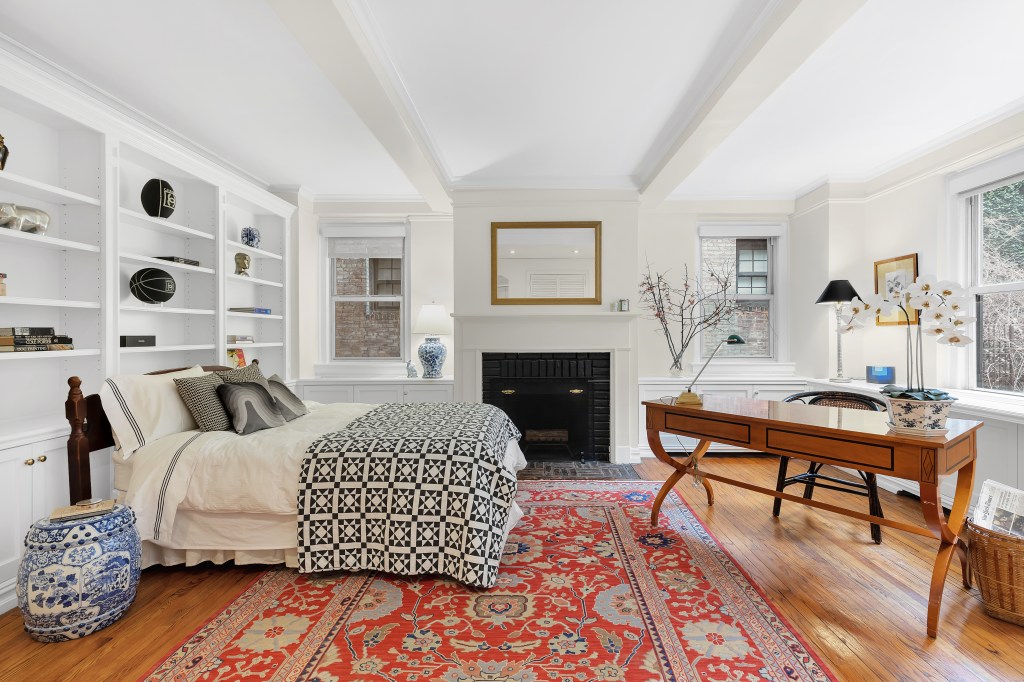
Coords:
687,309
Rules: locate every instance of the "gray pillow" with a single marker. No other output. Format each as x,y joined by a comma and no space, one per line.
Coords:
288,404
251,407
200,396
249,373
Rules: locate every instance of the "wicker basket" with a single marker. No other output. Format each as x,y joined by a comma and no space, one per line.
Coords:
997,562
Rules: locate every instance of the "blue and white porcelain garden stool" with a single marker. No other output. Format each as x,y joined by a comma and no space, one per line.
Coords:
78,576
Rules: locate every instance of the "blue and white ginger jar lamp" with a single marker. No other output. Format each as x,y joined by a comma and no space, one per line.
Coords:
433,321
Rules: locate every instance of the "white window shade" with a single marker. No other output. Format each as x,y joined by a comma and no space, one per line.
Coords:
366,247
558,285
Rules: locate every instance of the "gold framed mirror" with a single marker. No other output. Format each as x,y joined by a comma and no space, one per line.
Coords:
547,263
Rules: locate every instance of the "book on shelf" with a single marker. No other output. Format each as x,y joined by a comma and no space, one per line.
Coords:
236,357
32,340
179,259
60,346
26,331
240,338
24,349
254,311
82,511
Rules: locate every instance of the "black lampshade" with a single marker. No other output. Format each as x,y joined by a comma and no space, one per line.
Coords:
838,291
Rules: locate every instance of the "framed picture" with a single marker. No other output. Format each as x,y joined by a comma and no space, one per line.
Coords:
892,277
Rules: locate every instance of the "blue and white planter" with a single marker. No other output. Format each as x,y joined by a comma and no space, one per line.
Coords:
432,354
79,576
918,417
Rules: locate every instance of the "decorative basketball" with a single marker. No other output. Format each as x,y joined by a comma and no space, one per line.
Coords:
158,198
152,285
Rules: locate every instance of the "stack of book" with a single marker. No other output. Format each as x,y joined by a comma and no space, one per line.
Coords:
253,311
179,259
3,283
235,339
32,339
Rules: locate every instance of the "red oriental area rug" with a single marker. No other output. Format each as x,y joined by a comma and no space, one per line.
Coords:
587,591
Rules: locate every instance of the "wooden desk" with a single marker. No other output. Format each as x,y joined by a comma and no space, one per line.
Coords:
858,439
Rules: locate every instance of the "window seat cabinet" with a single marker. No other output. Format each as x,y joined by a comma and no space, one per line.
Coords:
377,390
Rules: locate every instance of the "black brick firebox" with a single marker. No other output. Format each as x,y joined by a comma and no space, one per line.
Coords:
559,401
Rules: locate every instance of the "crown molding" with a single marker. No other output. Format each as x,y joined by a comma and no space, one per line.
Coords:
298,190
539,197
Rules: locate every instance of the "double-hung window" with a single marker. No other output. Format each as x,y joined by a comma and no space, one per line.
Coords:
995,215
746,256
367,293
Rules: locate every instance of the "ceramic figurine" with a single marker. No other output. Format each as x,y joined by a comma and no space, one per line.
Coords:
251,237
4,153
24,218
410,370
242,263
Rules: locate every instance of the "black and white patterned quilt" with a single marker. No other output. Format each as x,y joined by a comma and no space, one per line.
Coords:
409,489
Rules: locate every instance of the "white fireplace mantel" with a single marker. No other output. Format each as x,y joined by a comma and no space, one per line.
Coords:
555,332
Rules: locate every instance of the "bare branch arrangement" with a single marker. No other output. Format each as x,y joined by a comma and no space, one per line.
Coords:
699,303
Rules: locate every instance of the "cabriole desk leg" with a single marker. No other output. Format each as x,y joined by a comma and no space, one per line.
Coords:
654,440
948,533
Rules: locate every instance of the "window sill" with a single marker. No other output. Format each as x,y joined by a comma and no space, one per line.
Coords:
359,368
744,367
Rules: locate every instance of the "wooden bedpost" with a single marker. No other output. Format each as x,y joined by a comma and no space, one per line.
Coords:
79,478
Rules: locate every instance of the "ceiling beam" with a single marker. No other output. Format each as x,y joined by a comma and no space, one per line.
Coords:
788,37
333,38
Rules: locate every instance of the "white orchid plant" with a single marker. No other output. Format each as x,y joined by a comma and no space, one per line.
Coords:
942,312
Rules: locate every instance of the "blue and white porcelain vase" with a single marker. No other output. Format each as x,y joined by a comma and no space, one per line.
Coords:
432,355
251,237
78,576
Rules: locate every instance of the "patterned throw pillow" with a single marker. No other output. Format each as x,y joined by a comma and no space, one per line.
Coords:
288,404
200,395
249,373
251,407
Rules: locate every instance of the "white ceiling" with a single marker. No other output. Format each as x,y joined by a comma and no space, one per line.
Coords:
900,77
226,74
565,94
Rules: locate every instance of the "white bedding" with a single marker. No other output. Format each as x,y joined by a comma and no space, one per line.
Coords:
192,490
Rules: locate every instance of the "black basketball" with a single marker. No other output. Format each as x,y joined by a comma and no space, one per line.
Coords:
158,198
152,285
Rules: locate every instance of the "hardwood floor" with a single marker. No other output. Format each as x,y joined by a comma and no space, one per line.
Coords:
860,606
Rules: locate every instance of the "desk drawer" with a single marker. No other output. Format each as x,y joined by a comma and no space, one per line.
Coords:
706,426
849,452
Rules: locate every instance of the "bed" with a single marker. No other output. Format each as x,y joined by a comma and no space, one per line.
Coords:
345,487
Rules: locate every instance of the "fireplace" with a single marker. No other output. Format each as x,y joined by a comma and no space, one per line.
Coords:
559,401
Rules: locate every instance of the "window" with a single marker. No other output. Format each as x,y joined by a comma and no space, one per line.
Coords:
367,297
747,263
558,285
996,217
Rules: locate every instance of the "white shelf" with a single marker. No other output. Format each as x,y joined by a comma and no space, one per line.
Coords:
40,241
166,311
232,313
255,253
258,344
166,263
28,187
161,225
253,280
47,302
51,354
165,349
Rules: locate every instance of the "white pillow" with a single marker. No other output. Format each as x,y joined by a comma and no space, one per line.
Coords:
144,407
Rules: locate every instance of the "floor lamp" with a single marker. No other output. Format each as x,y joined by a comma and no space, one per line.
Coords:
838,291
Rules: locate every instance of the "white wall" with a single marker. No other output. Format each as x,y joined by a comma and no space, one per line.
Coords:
432,274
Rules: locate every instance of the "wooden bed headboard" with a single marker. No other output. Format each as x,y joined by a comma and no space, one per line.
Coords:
90,431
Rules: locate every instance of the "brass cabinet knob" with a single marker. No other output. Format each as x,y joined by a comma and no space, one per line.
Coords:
42,458
508,391
30,462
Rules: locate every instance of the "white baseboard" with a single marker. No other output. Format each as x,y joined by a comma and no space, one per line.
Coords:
8,597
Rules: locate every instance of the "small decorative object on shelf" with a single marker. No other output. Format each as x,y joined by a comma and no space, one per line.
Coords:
152,285
623,305
158,198
251,311
941,311
4,153
3,283
236,357
410,370
24,218
144,341
696,306
78,576
179,259
242,263
240,338
251,237
876,374
433,321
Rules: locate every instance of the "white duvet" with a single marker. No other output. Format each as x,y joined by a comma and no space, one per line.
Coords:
222,472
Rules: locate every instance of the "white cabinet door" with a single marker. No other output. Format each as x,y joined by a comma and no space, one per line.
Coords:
328,393
776,391
376,394
16,493
419,393
50,476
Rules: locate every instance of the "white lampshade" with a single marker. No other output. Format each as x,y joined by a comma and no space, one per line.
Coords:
433,319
